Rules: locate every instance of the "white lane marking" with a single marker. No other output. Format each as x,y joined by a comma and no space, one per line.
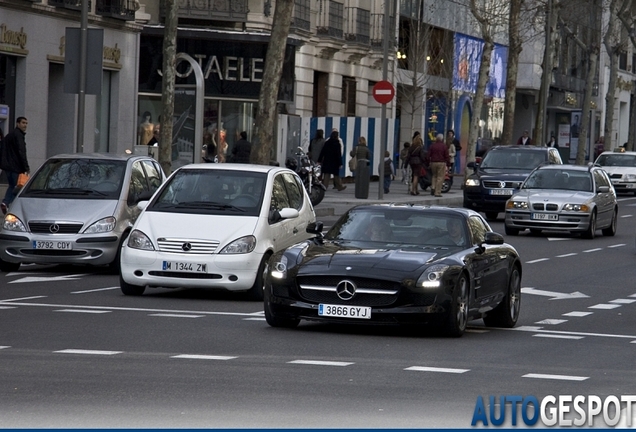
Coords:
8,307
551,321
94,290
557,238
83,311
567,255
540,330
435,369
48,278
473,330
592,250
555,295
634,342
258,313
632,295
203,357
253,319
617,245
90,352
626,216
555,377
558,336
4,347
320,363
168,315
578,314
112,308
22,298
537,260
604,306
623,301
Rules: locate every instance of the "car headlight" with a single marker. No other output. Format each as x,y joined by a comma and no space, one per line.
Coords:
577,208
139,240
517,205
472,182
242,245
101,226
630,177
278,270
432,276
12,223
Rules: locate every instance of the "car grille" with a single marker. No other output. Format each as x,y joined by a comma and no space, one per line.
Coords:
62,228
189,246
616,176
322,289
495,184
541,207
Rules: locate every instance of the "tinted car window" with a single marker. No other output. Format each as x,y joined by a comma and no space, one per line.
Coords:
280,200
478,229
138,181
559,179
600,179
78,178
153,174
212,192
618,160
294,192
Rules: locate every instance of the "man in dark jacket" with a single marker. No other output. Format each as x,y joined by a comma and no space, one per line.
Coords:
242,150
13,159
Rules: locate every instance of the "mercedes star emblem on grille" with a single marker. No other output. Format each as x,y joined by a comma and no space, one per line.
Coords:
346,290
502,184
186,247
54,228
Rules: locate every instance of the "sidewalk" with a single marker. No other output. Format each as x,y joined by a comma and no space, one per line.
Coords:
336,203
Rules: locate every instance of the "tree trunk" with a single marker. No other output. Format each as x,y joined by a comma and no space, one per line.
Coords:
610,96
540,123
266,113
514,49
587,103
167,85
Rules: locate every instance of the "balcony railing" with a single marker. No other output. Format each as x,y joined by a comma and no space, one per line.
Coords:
119,9
216,10
69,4
357,25
330,19
302,15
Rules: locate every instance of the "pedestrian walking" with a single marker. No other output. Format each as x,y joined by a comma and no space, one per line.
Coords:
451,144
242,150
316,144
404,163
330,159
438,155
524,139
389,171
416,161
13,159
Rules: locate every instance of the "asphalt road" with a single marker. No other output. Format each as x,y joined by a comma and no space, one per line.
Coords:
75,352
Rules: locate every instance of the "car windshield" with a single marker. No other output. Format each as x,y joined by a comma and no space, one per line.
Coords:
401,228
513,159
616,160
208,191
573,180
78,178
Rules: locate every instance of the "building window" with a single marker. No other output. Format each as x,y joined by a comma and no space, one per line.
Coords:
349,96
301,18
336,14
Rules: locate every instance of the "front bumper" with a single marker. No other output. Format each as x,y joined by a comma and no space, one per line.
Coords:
624,187
95,249
483,200
566,221
230,272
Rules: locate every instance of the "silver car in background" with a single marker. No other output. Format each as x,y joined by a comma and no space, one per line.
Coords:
620,166
574,198
77,209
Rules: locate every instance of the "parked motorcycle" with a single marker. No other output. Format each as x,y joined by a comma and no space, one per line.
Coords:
309,173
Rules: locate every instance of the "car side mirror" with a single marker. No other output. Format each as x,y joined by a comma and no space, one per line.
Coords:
142,205
493,238
602,189
315,228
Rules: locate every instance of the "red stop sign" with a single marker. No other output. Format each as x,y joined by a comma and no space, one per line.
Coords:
383,92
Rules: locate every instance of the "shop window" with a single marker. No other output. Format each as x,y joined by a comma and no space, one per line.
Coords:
349,96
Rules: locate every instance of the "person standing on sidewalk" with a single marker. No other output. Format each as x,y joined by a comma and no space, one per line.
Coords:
13,159
416,161
389,170
331,160
438,155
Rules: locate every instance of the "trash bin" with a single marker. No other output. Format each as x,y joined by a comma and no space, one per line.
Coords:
362,179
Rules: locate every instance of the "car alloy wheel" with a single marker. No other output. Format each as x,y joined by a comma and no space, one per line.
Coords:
458,312
506,313
610,231
591,229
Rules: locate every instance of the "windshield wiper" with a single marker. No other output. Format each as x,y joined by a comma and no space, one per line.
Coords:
208,204
65,191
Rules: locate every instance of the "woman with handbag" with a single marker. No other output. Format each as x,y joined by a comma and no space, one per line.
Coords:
416,161
361,151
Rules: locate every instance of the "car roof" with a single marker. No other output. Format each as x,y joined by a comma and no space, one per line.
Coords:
426,208
618,153
520,147
100,156
236,167
567,167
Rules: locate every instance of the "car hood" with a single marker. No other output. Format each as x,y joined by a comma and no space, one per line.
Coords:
557,195
196,226
68,210
619,170
503,174
349,254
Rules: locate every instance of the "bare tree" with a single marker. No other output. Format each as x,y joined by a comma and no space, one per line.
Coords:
167,84
267,101
514,49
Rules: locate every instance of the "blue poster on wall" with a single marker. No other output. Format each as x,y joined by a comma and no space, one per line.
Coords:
467,59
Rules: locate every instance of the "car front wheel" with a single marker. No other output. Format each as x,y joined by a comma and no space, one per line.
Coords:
129,289
591,229
506,313
458,311
256,292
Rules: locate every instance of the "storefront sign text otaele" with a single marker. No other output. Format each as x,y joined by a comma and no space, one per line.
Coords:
233,69
10,37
